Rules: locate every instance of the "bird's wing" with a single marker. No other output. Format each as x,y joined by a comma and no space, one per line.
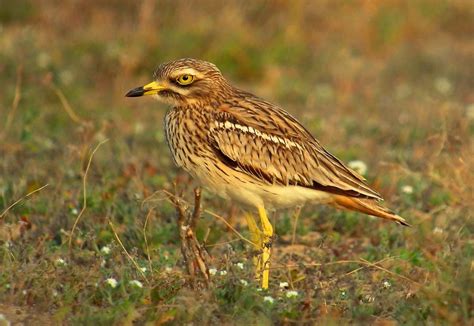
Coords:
273,147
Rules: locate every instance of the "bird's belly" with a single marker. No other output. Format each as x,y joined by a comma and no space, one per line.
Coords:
277,196
244,189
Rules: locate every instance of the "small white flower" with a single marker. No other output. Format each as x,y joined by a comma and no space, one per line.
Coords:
438,230
358,166
105,250
168,269
143,269
24,292
74,211
111,282
55,293
368,298
136,283
268,299
60,262
66,77
470,111
102,263
240,265
387,284
223,273
212,271
284,285
4,320
291,294
407,189
443,85
244,282
259,289
43,60
139,128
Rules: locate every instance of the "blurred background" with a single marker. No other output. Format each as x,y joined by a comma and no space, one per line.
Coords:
388,84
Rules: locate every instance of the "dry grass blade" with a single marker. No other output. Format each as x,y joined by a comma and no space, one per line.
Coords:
223,243
84,192
150,265
22,198
296,216
362,267
16,101
360,262
65,103
127,253
389,272
339,262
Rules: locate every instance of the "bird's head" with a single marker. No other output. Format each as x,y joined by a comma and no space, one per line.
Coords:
184,82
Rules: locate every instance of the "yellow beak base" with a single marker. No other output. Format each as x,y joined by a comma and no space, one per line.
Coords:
149,89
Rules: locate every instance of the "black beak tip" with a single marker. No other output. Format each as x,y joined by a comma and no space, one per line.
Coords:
136,92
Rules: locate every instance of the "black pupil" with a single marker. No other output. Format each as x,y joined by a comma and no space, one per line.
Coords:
185,77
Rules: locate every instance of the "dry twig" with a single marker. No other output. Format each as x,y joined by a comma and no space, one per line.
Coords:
194,254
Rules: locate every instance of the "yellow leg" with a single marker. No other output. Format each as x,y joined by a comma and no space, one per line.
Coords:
256,237
255,232
266,244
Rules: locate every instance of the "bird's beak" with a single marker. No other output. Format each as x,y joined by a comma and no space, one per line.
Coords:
149,89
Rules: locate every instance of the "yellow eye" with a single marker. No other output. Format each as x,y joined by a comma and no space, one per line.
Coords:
185,79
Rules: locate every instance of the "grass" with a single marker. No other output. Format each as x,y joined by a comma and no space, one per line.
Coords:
387,83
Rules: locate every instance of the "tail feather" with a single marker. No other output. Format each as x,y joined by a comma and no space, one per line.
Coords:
369,207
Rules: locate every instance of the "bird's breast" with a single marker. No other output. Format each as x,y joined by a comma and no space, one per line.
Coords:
186,135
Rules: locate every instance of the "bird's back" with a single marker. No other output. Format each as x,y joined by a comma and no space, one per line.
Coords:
256,138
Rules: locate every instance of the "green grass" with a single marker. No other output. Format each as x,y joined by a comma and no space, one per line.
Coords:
388,83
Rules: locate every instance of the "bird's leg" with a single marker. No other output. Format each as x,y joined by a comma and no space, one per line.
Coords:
266,245
256,237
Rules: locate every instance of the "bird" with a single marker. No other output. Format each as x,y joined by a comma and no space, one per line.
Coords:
247,149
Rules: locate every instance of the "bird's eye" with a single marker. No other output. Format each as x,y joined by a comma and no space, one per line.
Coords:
185,79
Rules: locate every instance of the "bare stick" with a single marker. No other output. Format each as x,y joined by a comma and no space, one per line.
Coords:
22,198
194,254
197,207
182,228
84,192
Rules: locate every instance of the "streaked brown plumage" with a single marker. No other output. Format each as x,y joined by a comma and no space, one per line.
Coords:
248,149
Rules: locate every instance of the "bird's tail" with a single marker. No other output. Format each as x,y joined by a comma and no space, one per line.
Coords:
367,206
